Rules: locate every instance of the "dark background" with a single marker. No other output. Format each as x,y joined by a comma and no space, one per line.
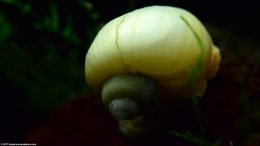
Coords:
43,46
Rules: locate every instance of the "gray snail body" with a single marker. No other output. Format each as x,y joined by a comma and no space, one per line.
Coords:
147,62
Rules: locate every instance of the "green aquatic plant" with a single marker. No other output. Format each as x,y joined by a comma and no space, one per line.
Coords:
6,29
45,65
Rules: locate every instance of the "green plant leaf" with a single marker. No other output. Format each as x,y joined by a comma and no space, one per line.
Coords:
53,21
196,71
10,1
6,29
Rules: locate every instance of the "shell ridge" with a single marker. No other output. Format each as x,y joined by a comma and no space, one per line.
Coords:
117,44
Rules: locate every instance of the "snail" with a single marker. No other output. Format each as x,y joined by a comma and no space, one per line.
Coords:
147,62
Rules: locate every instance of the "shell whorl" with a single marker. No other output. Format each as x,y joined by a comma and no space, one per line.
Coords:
129,96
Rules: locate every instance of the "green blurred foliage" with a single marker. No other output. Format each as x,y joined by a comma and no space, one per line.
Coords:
5,29
42,50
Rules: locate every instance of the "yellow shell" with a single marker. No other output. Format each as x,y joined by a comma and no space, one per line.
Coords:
167,44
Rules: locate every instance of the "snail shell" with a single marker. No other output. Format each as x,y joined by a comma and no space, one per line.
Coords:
159,50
